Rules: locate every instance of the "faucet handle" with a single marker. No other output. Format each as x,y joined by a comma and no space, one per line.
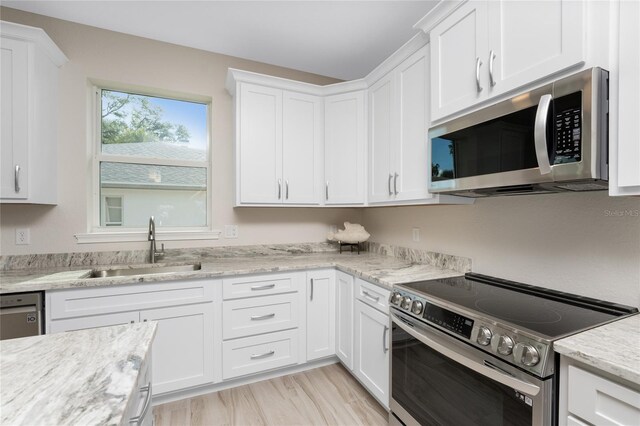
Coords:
162,248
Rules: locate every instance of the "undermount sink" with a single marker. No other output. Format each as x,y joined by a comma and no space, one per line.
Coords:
145,270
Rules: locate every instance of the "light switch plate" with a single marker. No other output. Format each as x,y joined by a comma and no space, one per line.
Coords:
415,234
23,236
231,231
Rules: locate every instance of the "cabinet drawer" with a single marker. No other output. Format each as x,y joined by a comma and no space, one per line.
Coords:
259,285
601,401
259,353
246,317
122,298
373,295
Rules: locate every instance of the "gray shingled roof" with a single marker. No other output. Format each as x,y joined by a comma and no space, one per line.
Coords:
126,175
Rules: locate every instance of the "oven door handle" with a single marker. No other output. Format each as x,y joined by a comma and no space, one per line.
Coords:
500,377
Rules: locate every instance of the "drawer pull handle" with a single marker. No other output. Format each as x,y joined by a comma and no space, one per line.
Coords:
370,296
263,287
147,402
262,317
264,355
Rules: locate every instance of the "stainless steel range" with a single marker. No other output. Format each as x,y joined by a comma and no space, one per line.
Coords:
477,350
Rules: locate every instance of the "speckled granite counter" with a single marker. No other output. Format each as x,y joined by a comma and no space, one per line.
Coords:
382,269
81,377
614,348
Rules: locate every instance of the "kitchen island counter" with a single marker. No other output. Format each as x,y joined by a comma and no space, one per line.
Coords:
80,377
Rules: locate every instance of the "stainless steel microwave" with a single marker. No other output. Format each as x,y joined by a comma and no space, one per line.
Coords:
551,139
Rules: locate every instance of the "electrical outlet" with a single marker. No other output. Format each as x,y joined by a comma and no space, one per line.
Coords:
415,234
231,231
23,236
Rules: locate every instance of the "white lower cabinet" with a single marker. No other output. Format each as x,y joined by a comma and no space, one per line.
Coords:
256,354
372,343
183,346
183,351
589,398
320,314
344,318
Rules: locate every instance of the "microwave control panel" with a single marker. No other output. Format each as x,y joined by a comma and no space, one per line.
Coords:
568,129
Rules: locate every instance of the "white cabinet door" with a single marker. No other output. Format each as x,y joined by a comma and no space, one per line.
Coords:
372,351
301,148
459,49
260,145
412,163
344,318
14,113
344,148
624,150
321,315
82,323
381,121
183,347
533,39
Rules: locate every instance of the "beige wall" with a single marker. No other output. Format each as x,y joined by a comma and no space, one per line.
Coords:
105,55
587,244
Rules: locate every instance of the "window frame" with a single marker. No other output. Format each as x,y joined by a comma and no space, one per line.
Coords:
97,233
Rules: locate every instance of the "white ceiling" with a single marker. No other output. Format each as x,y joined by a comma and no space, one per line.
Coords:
341,39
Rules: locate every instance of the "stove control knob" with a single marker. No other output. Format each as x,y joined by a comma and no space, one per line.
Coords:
526,354
417,307
484,336
396,298
502,344
406,303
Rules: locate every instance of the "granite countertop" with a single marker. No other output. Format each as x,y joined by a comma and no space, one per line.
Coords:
380,269
601,348
79,377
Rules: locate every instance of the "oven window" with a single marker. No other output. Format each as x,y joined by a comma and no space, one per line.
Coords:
438,391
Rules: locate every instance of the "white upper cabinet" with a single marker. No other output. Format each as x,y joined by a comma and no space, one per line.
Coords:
624,133
381,139
487,48
459,45
344,148
259,147
28,113
301,148
278,146
398,110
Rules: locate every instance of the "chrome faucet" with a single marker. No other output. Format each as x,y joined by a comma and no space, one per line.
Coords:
152,238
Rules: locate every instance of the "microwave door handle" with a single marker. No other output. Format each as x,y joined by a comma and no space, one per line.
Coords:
540,134
497,375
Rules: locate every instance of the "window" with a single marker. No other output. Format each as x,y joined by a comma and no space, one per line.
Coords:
152,152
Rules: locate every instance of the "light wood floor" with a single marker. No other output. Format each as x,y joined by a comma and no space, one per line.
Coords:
322,396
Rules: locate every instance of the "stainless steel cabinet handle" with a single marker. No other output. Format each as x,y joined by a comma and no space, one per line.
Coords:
311,297
262,317
389,184
370,296
286,189
326,191
17,179
147,402
262,287
385,348
492,57
279,189
478,65
395,183
540,134
264,355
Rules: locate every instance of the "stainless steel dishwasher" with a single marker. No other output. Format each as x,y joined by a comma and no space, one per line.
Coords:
21,315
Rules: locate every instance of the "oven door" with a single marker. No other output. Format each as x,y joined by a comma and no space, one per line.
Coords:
438,380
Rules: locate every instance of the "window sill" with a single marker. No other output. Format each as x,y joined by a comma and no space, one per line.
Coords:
137,236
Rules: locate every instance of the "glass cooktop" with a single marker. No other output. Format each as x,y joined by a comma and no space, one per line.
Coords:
547,312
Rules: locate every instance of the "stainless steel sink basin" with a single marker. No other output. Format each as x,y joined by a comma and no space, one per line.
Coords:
146,270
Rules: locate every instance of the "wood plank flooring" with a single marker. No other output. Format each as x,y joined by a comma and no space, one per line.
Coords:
322,396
